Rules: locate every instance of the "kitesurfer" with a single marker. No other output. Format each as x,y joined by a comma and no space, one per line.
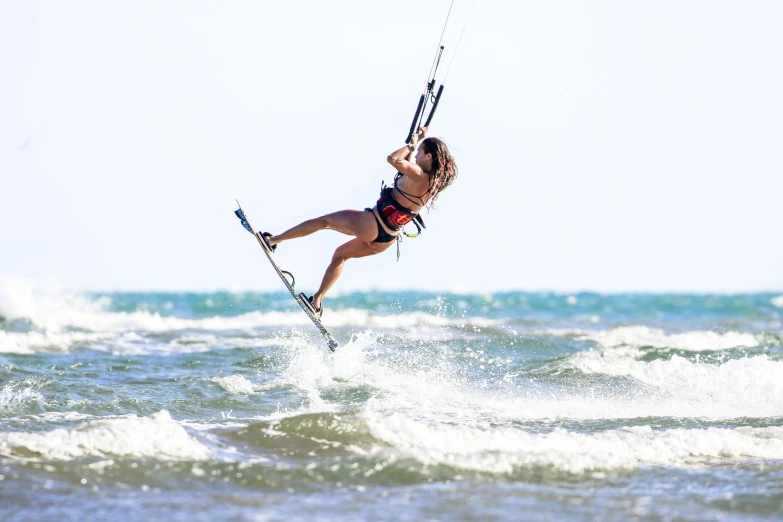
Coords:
375,229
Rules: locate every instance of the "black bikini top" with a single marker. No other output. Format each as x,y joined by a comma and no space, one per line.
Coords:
408,195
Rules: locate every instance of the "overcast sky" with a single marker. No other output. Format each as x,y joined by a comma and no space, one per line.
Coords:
607,145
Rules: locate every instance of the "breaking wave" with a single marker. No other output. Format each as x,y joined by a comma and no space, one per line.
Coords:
157,436
643,336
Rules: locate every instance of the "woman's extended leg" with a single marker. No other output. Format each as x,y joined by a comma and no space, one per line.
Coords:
351,250
356,223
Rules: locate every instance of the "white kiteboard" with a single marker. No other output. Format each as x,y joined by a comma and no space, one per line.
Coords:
289,284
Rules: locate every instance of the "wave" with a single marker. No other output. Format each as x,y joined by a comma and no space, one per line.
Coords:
506,450
348,317
235,384
33,342
364,446
615,383
420,445
643,336
126,343
55,311
47,306
22,391
747,387
157,436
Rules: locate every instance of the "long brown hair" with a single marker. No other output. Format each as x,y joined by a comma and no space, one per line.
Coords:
444,169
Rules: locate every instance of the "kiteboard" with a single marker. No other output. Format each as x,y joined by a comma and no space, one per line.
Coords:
288,284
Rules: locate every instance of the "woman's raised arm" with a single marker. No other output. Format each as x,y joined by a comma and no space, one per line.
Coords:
400,159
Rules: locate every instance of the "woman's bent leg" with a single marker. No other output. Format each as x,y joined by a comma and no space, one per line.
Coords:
351,222
353,249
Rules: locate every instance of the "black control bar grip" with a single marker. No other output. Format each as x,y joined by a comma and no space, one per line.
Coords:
434,106
415,119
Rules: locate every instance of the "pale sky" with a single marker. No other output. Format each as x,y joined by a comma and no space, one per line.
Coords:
605,145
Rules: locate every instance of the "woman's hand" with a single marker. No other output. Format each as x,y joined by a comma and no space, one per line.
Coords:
419,135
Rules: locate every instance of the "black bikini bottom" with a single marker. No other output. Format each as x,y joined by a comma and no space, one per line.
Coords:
383,236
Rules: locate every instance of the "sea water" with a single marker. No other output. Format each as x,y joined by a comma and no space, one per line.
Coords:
502,406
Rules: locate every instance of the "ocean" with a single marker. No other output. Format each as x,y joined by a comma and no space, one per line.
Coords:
436,406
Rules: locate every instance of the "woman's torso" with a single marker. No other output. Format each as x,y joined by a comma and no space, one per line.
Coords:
411,193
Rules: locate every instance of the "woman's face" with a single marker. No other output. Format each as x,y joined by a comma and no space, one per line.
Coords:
423,159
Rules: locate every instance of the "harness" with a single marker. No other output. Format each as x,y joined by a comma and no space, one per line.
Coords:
394,215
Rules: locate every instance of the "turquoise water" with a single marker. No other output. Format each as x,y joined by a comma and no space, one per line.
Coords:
437,406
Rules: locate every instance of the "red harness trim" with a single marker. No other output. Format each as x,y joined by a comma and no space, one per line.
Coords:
394,215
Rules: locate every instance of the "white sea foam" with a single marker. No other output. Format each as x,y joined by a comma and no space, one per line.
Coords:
18,393
57,416
414,385
738,387
356,317
695,341
34,342
125,343
504,450
559,332
145,321
54,310
229,422
777,301
236,384
424,388
157,436
45,305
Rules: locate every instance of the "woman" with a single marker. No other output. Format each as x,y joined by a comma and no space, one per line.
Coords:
377,228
